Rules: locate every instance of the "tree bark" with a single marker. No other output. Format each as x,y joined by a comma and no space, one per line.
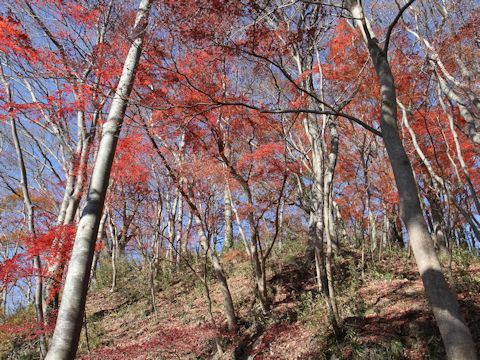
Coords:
320,269
37,265
455,334
70,317
220,276
328,228
115,252
30,217
228,233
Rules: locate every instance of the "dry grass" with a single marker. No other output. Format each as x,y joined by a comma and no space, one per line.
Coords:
385,316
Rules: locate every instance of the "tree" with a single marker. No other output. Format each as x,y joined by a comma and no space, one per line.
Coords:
30,217
251,125
187,192
70,317
455,334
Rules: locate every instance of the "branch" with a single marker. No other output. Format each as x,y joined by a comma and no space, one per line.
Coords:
332,110
41,24
277,220
304,111
394,22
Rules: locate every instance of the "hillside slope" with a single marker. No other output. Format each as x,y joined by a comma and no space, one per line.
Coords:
385,314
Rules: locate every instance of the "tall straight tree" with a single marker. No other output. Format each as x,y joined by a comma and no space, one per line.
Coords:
30,215
455,334
70,317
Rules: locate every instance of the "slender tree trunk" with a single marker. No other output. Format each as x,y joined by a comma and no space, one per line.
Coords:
179,237
362,256
37,265
228,234
322,183
30,217
4,302
114,255
75,185
186,233
385,231
321,273
455,334
220,276
327,213
172,204
70,317
438,234
280,221
153,268
96,256
260,278
254,248
195,215
372,227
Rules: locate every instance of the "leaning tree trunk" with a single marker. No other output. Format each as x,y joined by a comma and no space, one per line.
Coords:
455,334
70,317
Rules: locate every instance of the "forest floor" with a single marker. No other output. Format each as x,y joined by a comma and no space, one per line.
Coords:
385,313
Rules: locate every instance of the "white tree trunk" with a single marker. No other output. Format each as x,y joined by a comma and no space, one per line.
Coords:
70,317
228,232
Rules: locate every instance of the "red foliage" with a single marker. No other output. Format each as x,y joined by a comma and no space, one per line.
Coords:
54,246
179,341
129,165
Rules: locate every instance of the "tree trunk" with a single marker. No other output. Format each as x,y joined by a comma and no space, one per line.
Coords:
96,257
254,247
4,302
455,334
114,254
321,273
220,276
256,258
228,235
29,214
328,228
195,215
179,237
70,317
